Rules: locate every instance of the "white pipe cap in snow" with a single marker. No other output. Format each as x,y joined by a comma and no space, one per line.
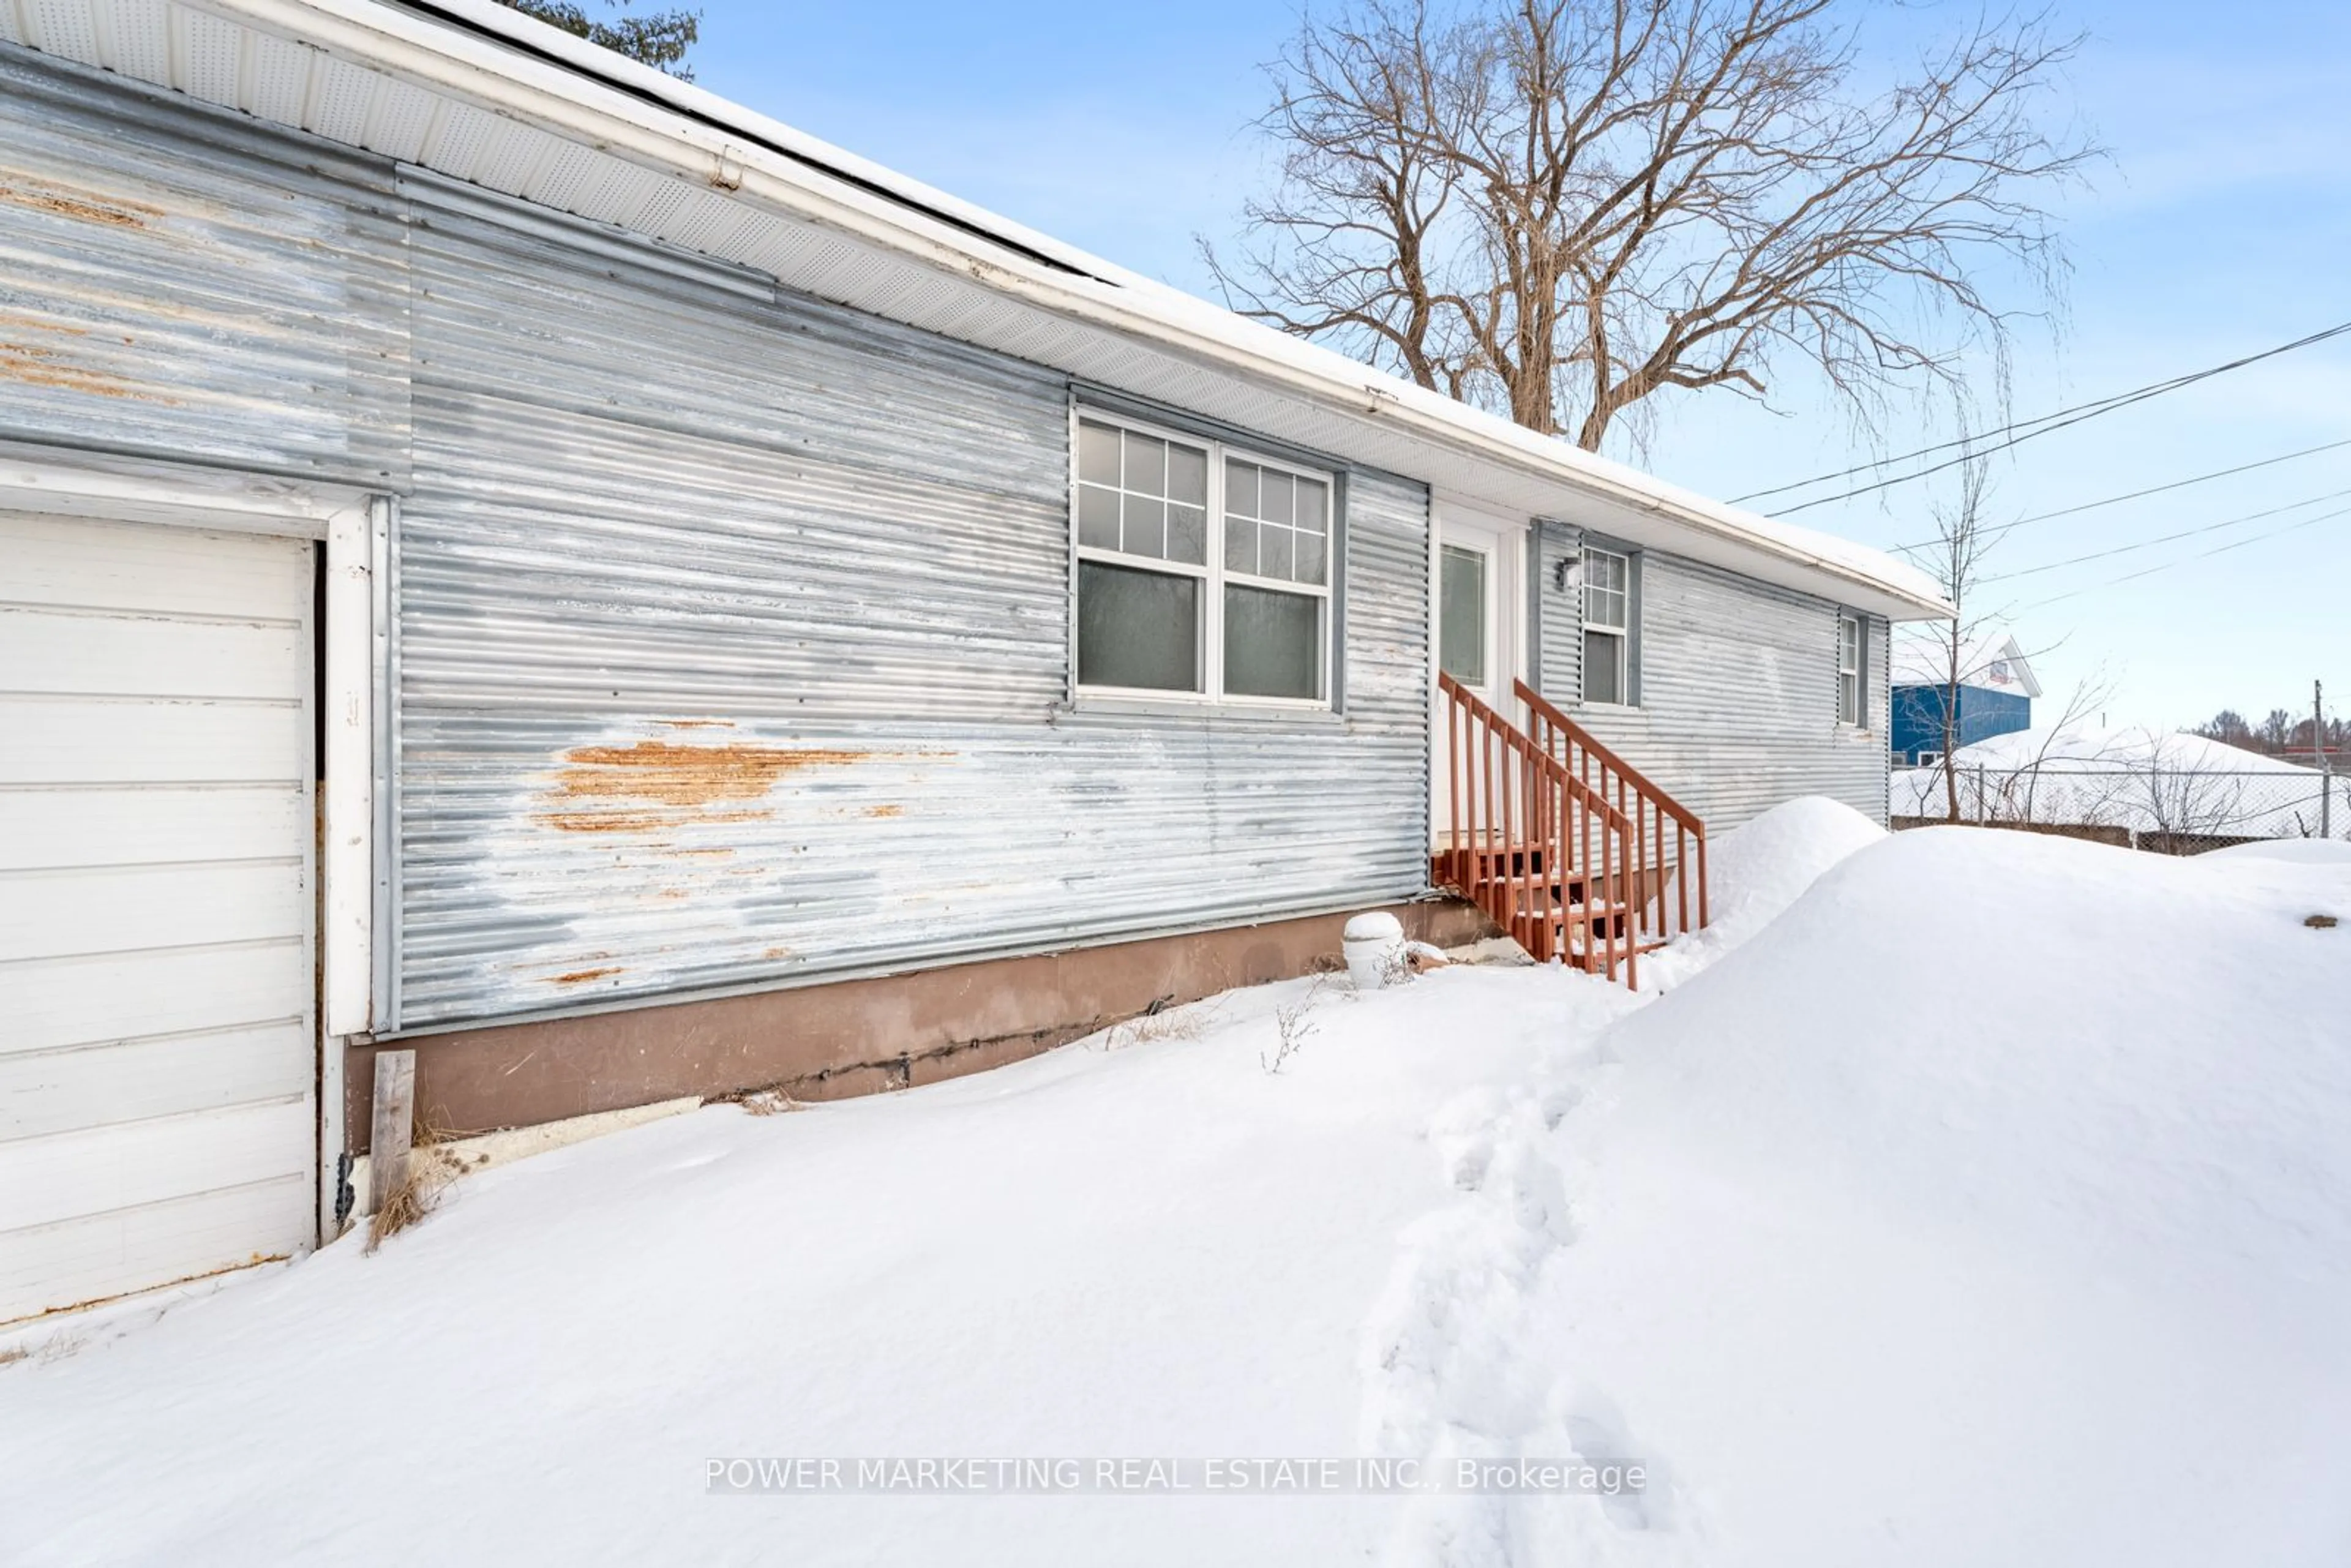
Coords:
1375,926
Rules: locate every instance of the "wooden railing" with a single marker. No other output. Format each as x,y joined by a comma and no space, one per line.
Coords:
1673,876
1543,854
1564,846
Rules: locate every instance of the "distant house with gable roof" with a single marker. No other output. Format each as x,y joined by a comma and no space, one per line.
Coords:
1995,691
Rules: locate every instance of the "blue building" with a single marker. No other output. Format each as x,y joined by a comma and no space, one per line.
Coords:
1995,691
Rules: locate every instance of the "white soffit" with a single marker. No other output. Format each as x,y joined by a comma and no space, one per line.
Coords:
556,121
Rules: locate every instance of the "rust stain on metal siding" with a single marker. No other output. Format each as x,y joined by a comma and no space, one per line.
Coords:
675,775
44,368
885,810
46,364
602,821
579,976
39,196
656,784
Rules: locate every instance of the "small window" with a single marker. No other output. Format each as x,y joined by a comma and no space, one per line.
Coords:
1277,581
1461,614
1607,626
1160,608
1928,758
1849,681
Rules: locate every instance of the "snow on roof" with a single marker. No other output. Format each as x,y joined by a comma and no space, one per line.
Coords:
1993,660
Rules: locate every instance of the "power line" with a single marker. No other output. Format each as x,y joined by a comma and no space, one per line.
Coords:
2021,431
2184,561
2166,538
1993,533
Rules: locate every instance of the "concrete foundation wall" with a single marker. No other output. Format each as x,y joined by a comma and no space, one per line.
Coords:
856,1037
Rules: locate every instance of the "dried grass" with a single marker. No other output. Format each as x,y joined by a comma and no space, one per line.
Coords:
1163,1020
770,1102
431,1169
13,1354
1291,1027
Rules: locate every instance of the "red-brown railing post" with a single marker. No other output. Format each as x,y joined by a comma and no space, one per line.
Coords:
1454,791
1701,879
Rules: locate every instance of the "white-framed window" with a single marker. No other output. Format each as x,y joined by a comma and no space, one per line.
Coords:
1928,758
1463,622
1607,578
1202,570
1849,666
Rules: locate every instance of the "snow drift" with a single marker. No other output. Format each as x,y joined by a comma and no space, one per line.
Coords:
1992,1205
1755,870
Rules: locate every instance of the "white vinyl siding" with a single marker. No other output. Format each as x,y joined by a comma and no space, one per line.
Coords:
157,1055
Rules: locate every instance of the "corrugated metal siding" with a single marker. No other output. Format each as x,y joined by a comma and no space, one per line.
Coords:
1738,686
179,281
733,640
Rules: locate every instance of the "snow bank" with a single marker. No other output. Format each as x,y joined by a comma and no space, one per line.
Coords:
2304,851
2087,746
1755,870
2145,779
1993,1204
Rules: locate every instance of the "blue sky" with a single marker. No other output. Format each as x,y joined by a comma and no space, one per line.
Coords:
2223,225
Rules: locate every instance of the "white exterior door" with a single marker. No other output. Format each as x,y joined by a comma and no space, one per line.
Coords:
1480,617
158,1047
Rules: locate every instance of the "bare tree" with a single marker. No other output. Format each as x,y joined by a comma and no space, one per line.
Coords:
1960,541
1559,208
2022,794
2184,799
2229,728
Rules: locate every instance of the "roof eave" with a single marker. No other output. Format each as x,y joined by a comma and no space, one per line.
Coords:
501,58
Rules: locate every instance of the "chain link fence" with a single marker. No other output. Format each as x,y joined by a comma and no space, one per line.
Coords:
2178,810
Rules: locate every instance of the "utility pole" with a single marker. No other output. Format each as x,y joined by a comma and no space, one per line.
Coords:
2325,772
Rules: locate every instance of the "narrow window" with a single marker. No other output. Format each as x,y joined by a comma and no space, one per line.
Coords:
1849,684
1200,570
1608,625
1277,581
1461,614
1142,519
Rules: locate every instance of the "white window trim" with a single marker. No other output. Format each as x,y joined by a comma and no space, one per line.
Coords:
1213,575
1928,758
1858,670
1585,549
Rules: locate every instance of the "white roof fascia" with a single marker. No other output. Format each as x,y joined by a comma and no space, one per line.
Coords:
578,90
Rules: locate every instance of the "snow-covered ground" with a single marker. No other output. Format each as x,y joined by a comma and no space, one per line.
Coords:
2149,780
1991,1204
